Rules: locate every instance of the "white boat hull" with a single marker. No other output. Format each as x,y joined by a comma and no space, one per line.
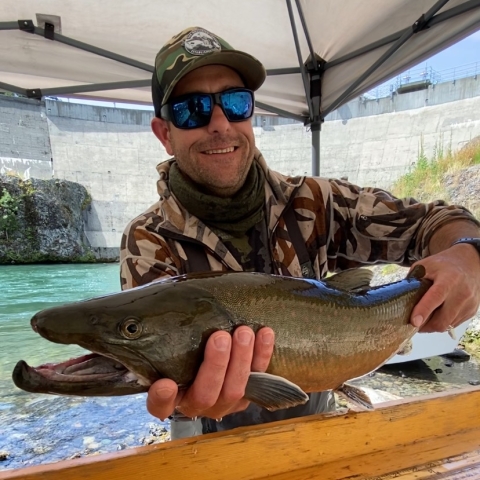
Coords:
431,344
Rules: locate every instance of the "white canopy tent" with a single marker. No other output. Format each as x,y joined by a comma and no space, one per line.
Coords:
318,54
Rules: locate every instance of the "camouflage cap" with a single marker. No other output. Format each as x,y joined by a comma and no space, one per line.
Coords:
196,47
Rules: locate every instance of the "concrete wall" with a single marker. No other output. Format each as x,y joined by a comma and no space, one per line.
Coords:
435,95
376,150
24,139
113,153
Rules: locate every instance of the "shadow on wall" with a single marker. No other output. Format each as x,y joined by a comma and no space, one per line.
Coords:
345,113
94,235
92,223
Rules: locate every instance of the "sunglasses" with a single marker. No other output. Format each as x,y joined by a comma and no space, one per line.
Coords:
194,110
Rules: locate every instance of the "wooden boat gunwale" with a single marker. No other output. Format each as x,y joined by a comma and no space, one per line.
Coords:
405,434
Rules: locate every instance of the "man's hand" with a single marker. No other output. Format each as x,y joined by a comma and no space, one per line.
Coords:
220,383
454,296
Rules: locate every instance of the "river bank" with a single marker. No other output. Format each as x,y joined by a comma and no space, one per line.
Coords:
37,429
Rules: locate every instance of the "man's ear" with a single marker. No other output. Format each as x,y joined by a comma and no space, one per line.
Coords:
161,130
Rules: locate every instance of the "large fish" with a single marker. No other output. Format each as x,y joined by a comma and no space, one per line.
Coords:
326,332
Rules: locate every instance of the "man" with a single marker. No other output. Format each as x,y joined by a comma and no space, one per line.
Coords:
221,208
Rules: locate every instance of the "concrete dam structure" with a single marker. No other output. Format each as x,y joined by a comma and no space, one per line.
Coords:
113,153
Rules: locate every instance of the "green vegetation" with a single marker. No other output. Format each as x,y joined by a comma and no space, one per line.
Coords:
88,257
86,201
390,269
425,182
8,213
471,342
10,205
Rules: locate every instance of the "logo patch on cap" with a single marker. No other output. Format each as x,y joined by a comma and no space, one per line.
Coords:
201,42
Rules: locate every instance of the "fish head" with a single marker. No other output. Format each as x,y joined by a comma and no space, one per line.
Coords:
148,333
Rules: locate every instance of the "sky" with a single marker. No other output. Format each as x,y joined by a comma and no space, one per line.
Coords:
461,53
460,60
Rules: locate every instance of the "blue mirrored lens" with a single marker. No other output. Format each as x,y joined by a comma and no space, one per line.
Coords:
192,112
237,105
195,110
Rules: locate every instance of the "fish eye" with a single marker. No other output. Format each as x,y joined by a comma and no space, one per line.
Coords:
131,328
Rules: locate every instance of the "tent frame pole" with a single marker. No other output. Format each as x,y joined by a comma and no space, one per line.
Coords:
312,74
420,24
316,127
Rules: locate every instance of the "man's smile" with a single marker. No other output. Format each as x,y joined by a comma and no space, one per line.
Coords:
220,150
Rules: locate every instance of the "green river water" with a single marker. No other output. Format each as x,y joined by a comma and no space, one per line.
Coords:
36,428
26,289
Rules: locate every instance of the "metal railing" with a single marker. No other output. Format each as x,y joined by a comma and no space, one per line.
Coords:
424,74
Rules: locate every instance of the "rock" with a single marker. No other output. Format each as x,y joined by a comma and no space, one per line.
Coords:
4,455
42,221
474,382
88,440
41,449
463,187
458,355
157,434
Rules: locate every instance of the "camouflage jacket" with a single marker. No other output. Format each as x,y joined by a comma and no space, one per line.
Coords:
343,226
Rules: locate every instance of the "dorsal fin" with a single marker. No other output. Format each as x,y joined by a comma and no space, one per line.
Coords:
351,280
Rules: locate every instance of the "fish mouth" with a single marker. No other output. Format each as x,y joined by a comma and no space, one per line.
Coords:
88,375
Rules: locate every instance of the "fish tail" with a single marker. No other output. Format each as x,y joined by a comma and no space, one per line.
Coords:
418,272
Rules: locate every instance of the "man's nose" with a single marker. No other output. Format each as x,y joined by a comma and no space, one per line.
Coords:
219,122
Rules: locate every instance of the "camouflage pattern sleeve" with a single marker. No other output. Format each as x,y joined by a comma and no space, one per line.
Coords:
369,225
145,256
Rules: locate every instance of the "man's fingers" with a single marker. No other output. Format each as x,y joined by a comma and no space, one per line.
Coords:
433,299
442,306
239,367
449,315
162,398
219,387
206,388
262,354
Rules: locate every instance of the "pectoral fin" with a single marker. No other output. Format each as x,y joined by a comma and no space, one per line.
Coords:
273,392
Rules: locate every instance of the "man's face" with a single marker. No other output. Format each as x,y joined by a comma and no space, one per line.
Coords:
219,155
